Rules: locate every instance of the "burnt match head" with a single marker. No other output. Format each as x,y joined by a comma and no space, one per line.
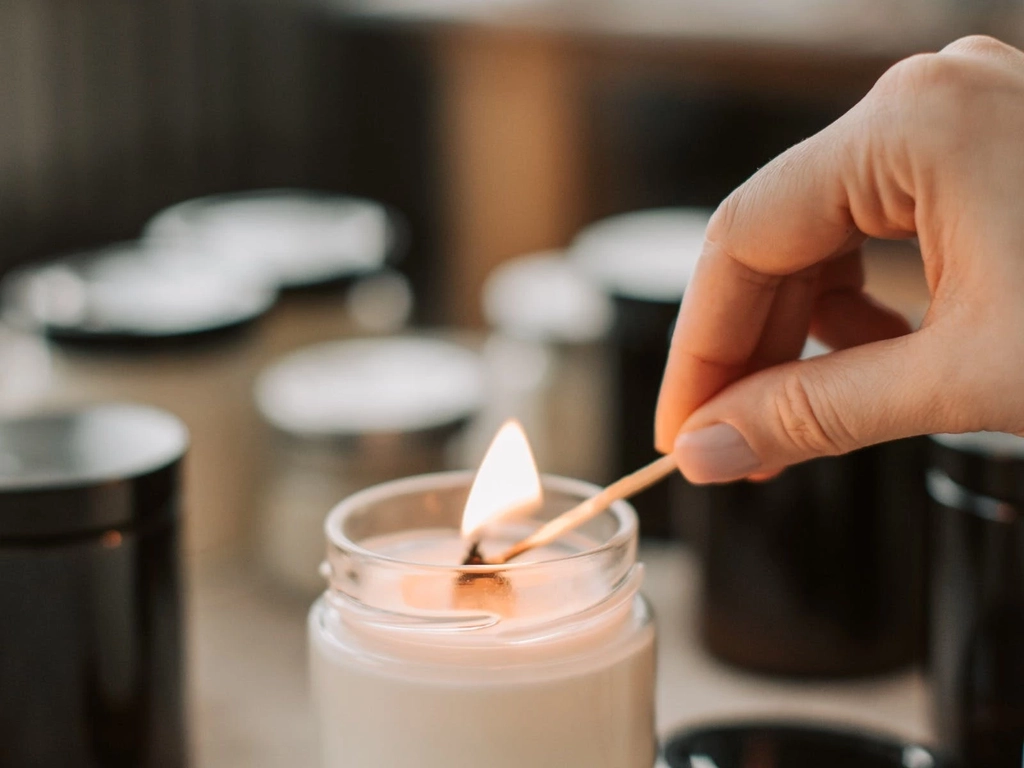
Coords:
473,557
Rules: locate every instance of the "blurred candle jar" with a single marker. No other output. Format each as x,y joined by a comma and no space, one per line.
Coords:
26,371
976,642
346,415
821,570
172,334
544,302
644,261
90,636
312,246
546,662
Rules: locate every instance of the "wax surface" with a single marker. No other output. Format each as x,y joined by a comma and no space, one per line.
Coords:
518,597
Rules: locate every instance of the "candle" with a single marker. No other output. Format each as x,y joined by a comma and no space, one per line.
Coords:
644,260
346,415
542,305
418,660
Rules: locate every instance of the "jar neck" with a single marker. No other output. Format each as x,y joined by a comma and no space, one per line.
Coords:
395,554
483,627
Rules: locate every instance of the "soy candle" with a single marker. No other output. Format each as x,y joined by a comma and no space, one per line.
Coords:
546,662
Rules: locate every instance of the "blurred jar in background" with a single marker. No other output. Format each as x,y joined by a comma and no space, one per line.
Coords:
821,571
543,307
976,640
122,326
26,371
346,415
312,246
644,261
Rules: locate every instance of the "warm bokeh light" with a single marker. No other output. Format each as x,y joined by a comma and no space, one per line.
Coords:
507,482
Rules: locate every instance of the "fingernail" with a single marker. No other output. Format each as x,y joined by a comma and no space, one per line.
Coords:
715,454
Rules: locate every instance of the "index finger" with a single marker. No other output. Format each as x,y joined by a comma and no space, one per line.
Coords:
808,204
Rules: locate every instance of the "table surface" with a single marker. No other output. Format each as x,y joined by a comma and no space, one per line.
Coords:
249,704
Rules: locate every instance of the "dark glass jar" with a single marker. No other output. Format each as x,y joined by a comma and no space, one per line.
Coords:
819,572
644,261
90,636
312,246
176,333
976,650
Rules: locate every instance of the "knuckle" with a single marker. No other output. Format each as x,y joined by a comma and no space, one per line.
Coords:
723,220
934,95
978,45
807,419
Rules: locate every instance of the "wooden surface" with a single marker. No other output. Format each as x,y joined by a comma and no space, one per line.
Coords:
513,78
249,688
509,131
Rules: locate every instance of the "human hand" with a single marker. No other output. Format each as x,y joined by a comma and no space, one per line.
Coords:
936,151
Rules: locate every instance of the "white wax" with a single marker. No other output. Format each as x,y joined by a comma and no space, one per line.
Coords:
562,696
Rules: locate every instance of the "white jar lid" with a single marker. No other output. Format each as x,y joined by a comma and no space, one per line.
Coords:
992,444
365,386
292,238
26,370
647,255
120,292
546,297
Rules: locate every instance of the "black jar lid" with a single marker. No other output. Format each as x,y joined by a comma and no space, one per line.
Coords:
986,463
88,469
291,238
793,745
646,256
123,293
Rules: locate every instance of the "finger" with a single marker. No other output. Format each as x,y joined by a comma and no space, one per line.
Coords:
702,360
804,207
789,320
844,315
823,406
847,317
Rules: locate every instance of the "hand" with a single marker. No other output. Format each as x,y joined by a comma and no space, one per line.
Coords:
936,151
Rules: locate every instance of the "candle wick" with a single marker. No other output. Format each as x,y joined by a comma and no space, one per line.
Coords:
474,557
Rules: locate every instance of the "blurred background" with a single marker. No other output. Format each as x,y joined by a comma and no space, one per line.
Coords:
257,213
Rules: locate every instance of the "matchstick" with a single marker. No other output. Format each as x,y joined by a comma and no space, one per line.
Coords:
622,488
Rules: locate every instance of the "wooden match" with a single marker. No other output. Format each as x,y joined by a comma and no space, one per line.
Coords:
622,488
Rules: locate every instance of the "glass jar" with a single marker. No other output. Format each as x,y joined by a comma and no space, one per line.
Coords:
417,660
312,246
176,334
976,638
821,570
542,307
346,415
91,640
644,260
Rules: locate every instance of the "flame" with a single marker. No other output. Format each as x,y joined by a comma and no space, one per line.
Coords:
506,484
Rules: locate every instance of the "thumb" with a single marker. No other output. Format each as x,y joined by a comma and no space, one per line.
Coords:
824,406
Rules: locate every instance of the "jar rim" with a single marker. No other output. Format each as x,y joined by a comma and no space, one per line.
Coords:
625,516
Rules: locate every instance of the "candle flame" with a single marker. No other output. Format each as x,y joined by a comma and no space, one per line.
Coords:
506,484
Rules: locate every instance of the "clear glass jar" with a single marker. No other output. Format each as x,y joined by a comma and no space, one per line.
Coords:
544,310
417,660
343,416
